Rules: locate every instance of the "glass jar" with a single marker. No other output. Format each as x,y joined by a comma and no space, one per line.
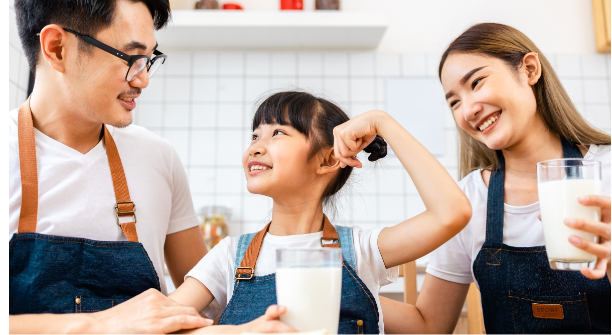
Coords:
214,225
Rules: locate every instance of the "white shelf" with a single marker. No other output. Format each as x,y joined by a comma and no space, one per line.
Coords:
206,29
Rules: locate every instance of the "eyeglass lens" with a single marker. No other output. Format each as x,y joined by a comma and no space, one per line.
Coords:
141,64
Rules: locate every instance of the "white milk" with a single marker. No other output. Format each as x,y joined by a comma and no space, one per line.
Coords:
559,200
312,297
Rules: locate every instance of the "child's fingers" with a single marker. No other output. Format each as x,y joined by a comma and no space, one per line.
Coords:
274,312
277,327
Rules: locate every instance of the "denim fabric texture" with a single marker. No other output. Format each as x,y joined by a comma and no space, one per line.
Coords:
252,297
48,273
511,279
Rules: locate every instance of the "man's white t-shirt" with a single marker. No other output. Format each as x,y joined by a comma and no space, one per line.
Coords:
76,196
522,228
216,269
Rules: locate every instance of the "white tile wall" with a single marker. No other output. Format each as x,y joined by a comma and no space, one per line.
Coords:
203,103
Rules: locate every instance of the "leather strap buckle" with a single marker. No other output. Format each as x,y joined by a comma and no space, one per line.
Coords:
124,213
332,242
237,275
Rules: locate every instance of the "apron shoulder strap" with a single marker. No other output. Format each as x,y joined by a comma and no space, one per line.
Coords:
570,149
495,203
346,244
243,244
29,177
246,270
28,169
495,197
124,205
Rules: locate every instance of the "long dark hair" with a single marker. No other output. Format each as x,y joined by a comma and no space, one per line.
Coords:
315,118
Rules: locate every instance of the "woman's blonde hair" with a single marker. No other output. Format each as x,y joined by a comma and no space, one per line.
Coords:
553,104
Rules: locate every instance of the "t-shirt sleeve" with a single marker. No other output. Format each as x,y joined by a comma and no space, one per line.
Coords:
213,272
451,262
369,260
183,214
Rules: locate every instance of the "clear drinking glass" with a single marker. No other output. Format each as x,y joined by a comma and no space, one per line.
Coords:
309,284
560,183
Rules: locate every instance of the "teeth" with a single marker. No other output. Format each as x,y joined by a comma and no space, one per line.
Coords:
260,167
127,99
488,123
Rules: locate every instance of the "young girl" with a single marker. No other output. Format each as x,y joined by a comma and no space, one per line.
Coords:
302,152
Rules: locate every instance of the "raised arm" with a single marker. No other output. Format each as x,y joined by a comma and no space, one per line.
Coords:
447,209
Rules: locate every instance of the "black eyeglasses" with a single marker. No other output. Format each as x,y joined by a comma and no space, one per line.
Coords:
135,63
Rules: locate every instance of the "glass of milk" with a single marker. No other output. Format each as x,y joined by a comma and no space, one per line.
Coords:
309,284
560,183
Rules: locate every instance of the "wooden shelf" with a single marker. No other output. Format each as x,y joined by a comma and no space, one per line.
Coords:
214,29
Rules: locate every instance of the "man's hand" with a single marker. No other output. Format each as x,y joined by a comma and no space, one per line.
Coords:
148,312
602,229
268,323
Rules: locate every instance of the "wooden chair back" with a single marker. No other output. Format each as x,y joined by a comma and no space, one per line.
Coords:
475,321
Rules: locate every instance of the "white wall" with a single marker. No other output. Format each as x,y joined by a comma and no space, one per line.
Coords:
18,66
557,26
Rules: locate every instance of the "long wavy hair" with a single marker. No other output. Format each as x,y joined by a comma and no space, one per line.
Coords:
553,103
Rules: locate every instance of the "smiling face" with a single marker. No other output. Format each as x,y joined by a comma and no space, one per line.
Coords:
492,102
277,162
97,82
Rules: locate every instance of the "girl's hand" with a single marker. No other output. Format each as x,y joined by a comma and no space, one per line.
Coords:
353,136
601,249
268,323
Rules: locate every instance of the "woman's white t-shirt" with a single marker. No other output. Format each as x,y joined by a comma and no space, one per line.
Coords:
522,228
216,269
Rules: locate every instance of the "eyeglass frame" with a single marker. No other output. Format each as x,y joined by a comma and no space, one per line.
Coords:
129,59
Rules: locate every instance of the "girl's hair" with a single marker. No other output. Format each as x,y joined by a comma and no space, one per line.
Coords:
553,104
315,118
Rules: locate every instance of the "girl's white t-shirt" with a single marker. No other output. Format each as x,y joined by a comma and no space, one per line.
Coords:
522,228
216,269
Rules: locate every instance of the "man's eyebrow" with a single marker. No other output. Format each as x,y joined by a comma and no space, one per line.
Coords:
465,78
134,45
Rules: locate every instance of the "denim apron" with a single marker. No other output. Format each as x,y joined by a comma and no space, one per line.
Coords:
56,274
517,284
254,294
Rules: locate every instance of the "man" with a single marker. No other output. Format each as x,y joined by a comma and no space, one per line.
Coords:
77,175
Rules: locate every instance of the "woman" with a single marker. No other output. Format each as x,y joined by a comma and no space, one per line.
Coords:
511,112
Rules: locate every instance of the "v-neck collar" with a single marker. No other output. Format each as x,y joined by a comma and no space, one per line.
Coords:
85,159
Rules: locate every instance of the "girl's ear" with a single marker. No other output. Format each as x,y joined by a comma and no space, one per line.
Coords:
329,162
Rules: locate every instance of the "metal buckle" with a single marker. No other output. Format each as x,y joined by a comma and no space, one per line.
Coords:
132,212
243,267
323,245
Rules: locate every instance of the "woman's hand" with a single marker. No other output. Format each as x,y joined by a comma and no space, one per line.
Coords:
602,229
353,136
268,323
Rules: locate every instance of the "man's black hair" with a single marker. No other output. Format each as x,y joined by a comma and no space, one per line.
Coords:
87,17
